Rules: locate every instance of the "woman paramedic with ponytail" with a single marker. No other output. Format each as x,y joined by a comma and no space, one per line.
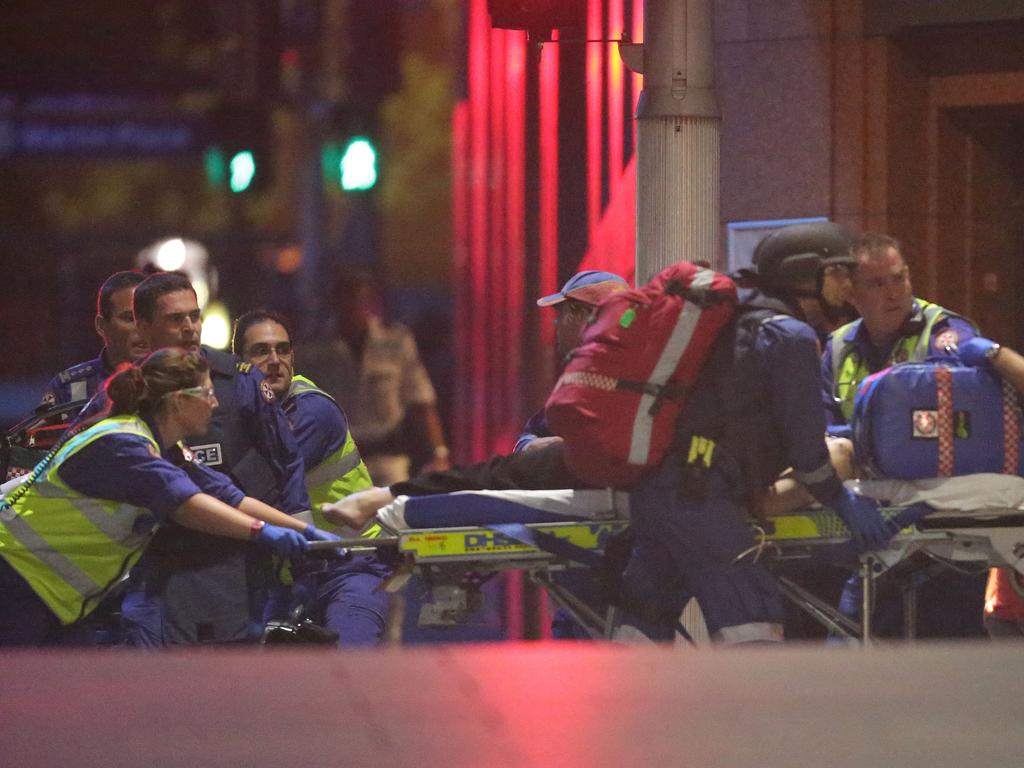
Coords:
81,521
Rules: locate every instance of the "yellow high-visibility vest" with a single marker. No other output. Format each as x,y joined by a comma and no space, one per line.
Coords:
69,547
338,475
849,369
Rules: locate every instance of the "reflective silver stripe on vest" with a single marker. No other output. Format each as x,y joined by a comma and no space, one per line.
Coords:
686,324
69,573
752,632
824,472
118,526
331,470
931,313
838,350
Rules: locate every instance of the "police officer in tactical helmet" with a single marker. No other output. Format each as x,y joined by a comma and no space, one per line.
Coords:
807,266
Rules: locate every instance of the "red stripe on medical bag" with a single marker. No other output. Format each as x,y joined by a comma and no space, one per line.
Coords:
1011,430
944,419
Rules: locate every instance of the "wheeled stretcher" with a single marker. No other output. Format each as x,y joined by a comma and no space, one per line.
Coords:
456,541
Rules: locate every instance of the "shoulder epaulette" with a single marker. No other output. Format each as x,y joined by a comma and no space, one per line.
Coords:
221,362
79,371
244,367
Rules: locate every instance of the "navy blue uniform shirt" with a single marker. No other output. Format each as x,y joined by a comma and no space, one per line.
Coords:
319,426
124,467
79,382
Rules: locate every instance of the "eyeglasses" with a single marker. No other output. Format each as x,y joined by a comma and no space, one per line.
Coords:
262,350
204,392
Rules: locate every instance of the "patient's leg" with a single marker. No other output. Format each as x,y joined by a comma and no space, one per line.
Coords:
787,495
536,470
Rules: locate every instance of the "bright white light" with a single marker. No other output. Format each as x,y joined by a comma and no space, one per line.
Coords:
216,326
170,254
358,165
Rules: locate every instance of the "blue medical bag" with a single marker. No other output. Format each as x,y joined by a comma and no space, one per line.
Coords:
921,420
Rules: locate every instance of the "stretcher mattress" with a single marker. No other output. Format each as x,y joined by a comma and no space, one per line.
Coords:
468,508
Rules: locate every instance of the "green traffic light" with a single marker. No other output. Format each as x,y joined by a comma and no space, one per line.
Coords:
358,165
242,170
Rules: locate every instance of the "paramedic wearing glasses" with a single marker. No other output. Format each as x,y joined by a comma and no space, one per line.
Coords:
347,597
82,520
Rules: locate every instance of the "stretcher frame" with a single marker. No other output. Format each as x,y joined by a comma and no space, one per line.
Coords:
455,561
983,539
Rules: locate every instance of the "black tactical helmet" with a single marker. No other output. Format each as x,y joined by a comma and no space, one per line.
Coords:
796,254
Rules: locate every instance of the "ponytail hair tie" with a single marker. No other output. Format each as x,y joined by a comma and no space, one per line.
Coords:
139,380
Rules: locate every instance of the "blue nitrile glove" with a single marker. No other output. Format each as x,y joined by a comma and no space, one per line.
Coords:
974,351
840,430
312,533
862,517
910,515
283,542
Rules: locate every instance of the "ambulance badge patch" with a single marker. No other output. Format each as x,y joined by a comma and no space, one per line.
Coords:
947,340
266,391
926,424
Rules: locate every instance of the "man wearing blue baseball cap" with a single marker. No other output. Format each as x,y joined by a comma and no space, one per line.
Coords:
574,305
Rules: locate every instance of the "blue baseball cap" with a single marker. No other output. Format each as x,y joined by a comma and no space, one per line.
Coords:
589,287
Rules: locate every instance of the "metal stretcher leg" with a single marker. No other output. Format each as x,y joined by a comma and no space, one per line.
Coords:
586,616
867,576
819,610
910,610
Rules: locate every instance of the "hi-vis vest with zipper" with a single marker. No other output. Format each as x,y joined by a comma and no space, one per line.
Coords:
849,369
69,547
338,475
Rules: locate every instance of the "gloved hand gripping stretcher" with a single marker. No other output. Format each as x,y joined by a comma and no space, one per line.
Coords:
969,522
456,541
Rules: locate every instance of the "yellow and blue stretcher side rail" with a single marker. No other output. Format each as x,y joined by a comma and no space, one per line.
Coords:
822,525
818,524
479,543
473,542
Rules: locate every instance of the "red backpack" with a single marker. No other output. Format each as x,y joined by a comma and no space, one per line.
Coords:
618,398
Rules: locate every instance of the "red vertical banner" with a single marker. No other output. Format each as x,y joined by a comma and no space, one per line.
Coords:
495,258
513,280
638,80
595,159
616,85
461,266
475,344
548,198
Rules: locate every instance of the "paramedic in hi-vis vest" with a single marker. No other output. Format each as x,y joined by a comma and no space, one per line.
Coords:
895,327
345,596
754,411
85,514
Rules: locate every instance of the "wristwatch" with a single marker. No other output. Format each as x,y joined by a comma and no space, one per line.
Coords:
991,352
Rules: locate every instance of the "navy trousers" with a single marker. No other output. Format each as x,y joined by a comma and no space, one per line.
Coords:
689,546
